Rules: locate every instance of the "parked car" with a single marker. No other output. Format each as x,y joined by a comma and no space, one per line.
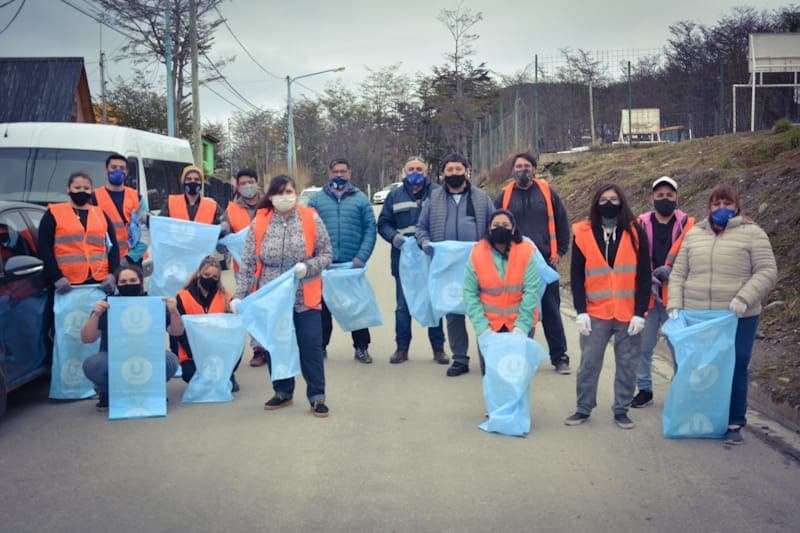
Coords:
380,196
307,193
25,323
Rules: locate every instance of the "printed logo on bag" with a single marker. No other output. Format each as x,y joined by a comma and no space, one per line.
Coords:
182,233
697,424
212,368
283,329
72,372
512,368
137,412
175,269
73,323
137,370
136,320
453,294
703,377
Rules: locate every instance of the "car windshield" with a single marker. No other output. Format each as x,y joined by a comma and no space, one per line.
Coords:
39,175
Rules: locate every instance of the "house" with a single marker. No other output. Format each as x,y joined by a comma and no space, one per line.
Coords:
210,143
44,89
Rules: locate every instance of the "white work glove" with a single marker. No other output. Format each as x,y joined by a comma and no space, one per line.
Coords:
300,270
62,285
398,240
673,314
584,324
737,307
109,284
636,326
234,304
517,331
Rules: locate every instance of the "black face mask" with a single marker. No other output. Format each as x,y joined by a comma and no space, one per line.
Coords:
455,181
500,235
80,197
609,210
522,177
132,289
665,207
192,188
209,284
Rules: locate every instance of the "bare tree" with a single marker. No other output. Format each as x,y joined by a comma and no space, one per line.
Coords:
581,66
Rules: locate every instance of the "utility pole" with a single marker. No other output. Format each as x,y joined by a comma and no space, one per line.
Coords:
196,127
103,78
536,105
591,113
230,150
168,61
289,129
630,106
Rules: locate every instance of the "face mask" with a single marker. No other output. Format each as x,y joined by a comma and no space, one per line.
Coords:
132,289
665,207
522,177
192,188
721,216
500,235
609,210
209,284
337,184
80,198
415,179
455,181
248,190
284,202
116,177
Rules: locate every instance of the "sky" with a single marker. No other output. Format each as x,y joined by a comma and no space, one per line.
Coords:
303,36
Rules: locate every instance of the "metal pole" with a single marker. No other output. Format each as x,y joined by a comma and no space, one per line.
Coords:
721,96
289,128
591,114
103,86
734,107
490,150
168,61
630,106
196,126
516,120
501,140
480,143
536,105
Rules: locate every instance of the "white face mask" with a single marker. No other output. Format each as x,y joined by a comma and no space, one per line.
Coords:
248,190
284,202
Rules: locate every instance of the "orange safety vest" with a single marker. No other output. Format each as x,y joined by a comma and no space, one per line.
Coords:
312,289
501,298
609,291
239,218
130,203
205,212
544,186
80,252
671,255
192,307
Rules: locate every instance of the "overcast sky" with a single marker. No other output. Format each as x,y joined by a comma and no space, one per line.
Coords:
301,36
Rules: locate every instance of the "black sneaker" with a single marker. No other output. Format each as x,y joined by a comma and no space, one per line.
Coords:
576,419
562,367
234,384
733,437
362,356
623,421
440,357
102,404
399,356
456,369
643,399
277,402
319,409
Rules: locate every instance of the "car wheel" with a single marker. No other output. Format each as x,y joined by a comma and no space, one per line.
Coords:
3,393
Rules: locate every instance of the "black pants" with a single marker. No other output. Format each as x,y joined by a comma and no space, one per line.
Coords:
551,322
361,338
188,368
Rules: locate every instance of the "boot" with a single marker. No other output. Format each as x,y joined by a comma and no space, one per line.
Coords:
399,356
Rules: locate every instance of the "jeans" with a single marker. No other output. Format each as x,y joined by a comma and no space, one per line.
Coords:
655,318
188,368
626,356
95,368
402,323
745,338
550,312
361,338
457,336
308,328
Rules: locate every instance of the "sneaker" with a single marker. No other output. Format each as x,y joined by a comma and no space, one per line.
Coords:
399,356
362,356
102,404
277,402
733,437
562,367
576,419
440,357
623,421
259,358
456,369
234,384
643,399
319,409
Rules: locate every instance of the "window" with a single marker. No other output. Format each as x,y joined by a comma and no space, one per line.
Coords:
15,236
163,179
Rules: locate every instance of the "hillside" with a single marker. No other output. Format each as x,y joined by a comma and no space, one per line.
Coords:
766,169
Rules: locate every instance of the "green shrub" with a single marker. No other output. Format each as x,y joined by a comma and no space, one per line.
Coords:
782,125
726,163
794,138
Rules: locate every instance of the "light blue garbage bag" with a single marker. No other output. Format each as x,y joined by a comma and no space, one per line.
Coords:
511,362
349,297
446,277
217,341
137,386
235,243
268,315
72,310
699,399
178,247
413,267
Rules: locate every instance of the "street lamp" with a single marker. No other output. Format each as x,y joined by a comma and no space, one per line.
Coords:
290,149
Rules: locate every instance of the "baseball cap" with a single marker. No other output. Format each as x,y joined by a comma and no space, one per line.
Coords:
665,180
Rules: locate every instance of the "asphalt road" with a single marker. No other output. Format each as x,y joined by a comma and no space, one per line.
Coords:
400,452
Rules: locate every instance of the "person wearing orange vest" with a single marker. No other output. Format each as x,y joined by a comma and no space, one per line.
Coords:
610,281
202,294
501,281
77,243
286,236
122,205
192,205
542,217
665,227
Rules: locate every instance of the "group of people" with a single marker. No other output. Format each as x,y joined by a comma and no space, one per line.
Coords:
628,274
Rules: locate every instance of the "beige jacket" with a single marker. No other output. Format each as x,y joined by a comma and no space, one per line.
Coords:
712,269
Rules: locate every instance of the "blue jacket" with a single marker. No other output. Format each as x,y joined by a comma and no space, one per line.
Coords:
400,214
350,222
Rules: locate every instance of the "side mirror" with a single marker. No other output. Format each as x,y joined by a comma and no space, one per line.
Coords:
21,266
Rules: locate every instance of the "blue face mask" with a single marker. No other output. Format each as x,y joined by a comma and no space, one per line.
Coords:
337,184
415,179
721,216
116,177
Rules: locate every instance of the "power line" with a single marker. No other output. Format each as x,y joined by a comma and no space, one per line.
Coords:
4,4
15,15
207,86
99,20
227,83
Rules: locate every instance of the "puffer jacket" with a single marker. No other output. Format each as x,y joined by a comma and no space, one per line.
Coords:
349,220
713,269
